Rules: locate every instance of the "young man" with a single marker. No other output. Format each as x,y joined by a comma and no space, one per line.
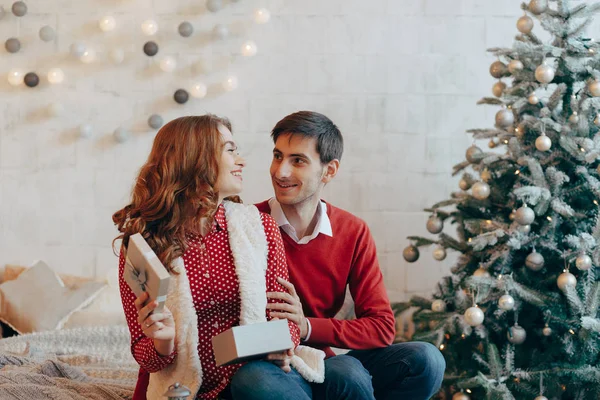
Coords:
328,248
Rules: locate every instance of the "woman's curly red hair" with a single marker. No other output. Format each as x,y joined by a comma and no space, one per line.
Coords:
175,189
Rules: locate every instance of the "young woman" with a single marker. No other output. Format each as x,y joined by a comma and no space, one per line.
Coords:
223,258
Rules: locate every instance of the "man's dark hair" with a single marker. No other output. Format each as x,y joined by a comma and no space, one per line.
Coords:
310,124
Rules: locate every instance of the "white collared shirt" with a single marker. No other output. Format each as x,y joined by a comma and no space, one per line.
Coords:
323,226
323,223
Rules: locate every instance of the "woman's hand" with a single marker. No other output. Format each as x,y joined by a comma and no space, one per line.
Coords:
282,360
157,326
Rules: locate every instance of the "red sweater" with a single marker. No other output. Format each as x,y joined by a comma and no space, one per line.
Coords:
320,270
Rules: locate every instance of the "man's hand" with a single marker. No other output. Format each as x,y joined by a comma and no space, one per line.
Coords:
291,308
281,359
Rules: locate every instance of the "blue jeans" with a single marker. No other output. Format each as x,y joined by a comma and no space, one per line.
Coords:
402,371
263,380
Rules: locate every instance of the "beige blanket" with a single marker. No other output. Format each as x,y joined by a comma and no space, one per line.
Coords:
90,363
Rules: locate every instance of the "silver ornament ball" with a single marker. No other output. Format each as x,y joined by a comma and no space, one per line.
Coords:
47,33
12,45
185,29
498,88
543,143
481,190
438,305
524,215
533,99
474,316
498,69
464,184
516,334
155,121
435,224
220,32
19,8
214,5
524,228
411,253
566,279
439,253
121,135
583,262
534,261
525,24
544,73
515,66
504,118
473,154
506,302
77,49
594,88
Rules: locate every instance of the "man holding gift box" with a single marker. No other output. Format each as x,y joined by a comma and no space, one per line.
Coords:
328,248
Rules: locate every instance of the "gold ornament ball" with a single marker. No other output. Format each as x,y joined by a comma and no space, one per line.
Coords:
506,302
533,99
583,262
492,144
439,253
547,331
435,224
511,216
473,154
525,24
481,190
544,73
504,118
594,88
474,316
534,261
486,175
538,6
460,396
515,66
498,88
524,215
574,118
598,169
516,334
543,143
498,69
597,120
411,253
464,184
566,279
438,305
481,272
541,398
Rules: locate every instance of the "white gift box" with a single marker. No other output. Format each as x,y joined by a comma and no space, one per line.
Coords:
251,342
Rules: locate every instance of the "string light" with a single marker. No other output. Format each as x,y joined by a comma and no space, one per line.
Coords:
595,202
517,172
442,347
463,336
549,218
582,150
571,331
505,141
468,391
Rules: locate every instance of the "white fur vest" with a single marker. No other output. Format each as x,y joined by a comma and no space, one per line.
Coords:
249,248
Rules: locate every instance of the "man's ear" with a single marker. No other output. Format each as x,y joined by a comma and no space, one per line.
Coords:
330,170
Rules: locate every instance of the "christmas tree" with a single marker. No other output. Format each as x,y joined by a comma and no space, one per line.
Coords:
519,317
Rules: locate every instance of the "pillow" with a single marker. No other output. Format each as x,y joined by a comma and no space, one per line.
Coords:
106,309
39,301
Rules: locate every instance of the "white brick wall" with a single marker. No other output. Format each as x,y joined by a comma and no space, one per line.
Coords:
399,77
